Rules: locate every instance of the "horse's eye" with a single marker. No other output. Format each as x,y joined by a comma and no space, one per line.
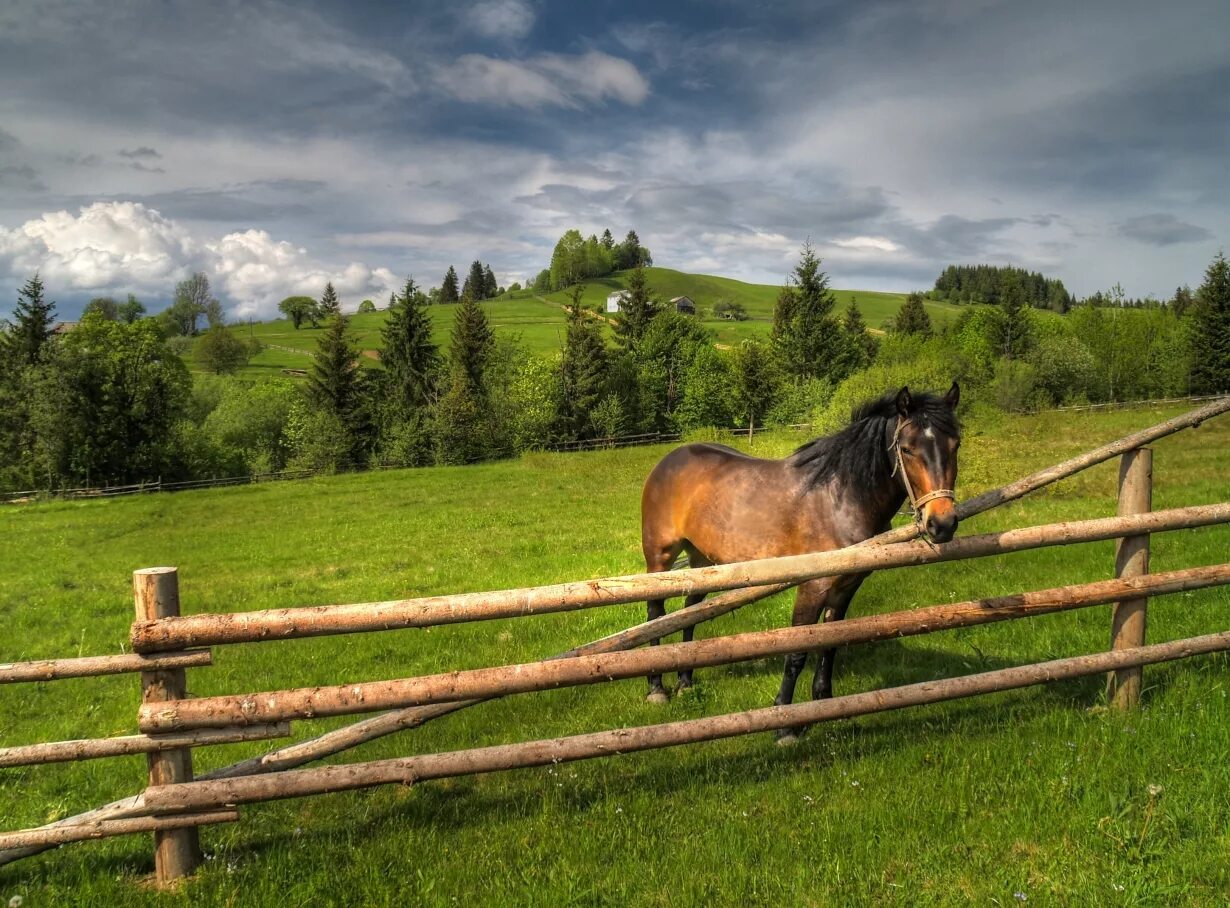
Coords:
907,452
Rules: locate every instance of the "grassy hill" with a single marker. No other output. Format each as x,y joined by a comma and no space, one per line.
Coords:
1036,792
538,320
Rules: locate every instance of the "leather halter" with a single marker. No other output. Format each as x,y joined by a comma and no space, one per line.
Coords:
916,503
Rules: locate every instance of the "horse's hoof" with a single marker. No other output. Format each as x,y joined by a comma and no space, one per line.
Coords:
681,687
657,696
787,739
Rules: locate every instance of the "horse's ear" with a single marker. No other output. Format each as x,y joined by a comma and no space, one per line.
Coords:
903,400
953,395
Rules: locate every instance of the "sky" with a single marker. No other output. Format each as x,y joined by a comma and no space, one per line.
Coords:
276,146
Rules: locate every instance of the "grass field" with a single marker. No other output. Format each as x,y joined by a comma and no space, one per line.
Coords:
1038,794
538,320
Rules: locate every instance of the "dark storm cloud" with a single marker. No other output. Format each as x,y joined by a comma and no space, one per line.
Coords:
899,137
1162,230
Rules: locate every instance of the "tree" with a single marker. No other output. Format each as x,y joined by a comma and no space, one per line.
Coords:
448,289
299,309
33,324
568,260
409,356
804,330
130,310
1210,337
192,300
104,406
221,352
491,288
730,310
367,306
329,305
636,311
858,348
475,286
707,398
1012,324
912,317
608,241
1183,301
631,253
104,306
583,371
542,281
462,415
756,382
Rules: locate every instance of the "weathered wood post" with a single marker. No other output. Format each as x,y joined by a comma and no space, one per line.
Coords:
1131,560
177,852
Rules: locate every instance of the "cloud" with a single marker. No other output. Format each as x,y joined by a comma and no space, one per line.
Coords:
143,151
501,18
547,80
1161,230
21,177
126,246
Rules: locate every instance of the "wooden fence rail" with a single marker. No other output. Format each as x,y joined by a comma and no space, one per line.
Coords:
283,624
96,748
94,666
371,696
409,770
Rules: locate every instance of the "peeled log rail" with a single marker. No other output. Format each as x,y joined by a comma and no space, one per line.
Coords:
96,748
92,666
408,770
46,837
281,624
538,676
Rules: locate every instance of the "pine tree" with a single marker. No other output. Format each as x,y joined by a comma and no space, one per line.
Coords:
804,330
912,317
475,287
32,326
608,241
409,356
636,311
756,381
448,289
859,347
463,416
1210,337
583,373
491,289
333,383
1182,302
1013,329
329,305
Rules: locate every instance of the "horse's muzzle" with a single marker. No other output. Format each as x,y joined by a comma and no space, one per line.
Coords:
941,527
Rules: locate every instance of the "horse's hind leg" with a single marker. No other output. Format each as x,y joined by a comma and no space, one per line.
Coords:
656,560
696,560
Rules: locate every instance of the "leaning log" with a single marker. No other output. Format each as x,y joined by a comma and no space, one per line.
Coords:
408,770
479,683
46,837
281,624
92,666
96,748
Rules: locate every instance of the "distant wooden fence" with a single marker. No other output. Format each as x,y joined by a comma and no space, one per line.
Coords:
175,803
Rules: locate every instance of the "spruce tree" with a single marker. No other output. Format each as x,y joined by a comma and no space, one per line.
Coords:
912,317
334,382
583,373
476,283
491,289
32,326
858,347
409,356
804,330
756,381
448,290
329,305
1013,329
462,416
636,311
608,241
1210,337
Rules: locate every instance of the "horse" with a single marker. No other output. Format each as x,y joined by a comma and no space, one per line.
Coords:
720,505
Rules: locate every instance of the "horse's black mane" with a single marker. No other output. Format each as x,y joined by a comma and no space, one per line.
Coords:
858,454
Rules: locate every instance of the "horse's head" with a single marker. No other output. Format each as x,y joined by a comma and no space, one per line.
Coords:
926,440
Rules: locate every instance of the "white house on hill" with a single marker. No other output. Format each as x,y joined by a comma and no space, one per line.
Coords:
615,300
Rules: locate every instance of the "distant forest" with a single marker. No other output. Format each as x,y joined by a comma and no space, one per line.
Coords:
990,283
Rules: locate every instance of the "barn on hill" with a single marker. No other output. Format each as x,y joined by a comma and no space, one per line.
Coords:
614,301
684,304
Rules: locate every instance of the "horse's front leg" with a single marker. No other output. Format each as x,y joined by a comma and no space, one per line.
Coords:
811,598
835,606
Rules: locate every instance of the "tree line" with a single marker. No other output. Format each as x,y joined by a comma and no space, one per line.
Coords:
112,401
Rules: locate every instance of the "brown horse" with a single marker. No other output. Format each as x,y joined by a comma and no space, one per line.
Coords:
720,506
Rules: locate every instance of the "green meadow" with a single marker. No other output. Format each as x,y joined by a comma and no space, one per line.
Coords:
1039,796
537,321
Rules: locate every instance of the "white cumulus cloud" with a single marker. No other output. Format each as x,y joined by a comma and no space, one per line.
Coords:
117,247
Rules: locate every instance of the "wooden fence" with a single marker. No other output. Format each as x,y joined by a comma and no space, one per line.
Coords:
175,803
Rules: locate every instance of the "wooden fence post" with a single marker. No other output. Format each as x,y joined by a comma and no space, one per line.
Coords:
177,852
1131,560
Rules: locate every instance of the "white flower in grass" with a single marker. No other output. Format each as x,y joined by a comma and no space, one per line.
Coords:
1155,790
1020,896
15,901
